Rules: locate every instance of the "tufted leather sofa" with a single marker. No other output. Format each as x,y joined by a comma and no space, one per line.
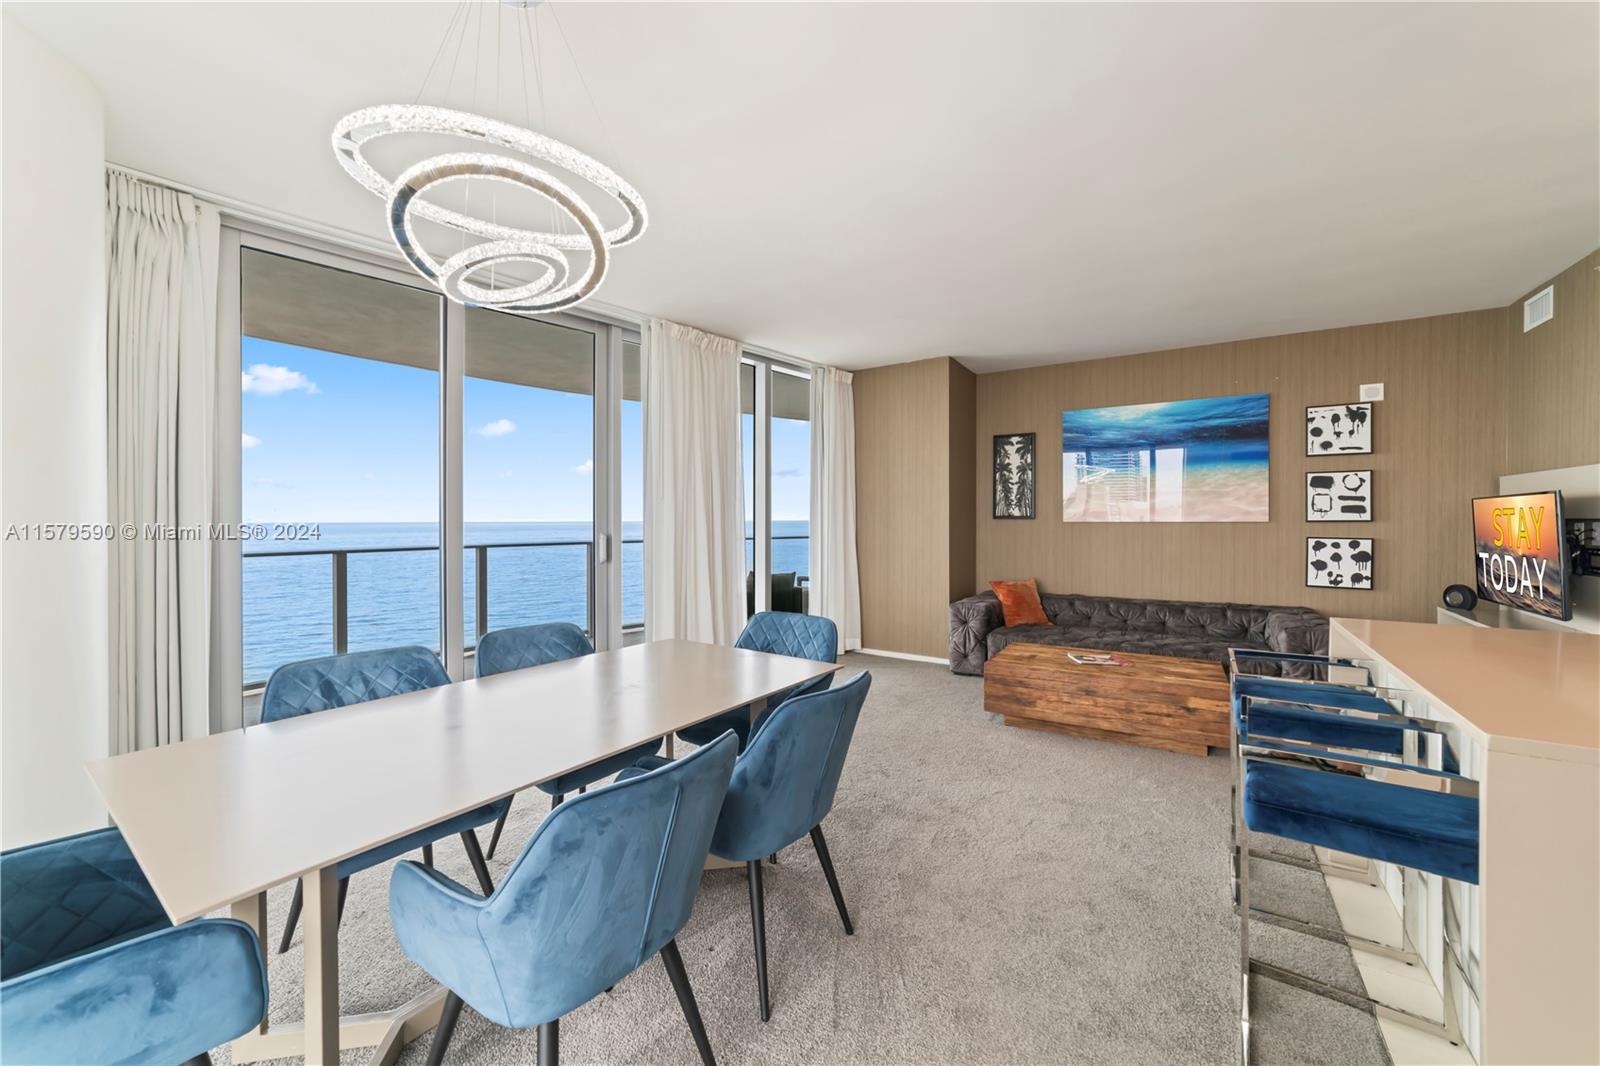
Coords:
1152,627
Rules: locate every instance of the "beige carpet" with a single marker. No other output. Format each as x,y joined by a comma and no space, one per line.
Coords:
1018,898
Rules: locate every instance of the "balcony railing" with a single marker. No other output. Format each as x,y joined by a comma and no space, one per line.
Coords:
339,561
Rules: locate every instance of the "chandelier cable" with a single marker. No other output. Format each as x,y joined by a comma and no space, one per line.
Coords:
487,244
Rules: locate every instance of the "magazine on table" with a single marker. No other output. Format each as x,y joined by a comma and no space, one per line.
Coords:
1089,659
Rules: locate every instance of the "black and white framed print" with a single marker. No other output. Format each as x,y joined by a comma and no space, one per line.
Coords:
1013,475
1339,429
1343,563
1339,496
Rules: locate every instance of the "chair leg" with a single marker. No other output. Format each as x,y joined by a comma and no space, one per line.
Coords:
469,840
202,1059
1243,895
445,1029
691,1013
499,824
427,855
758,923
833,880
291,921
550,1044
344,887
555,801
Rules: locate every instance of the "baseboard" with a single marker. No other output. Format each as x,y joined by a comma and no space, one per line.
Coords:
903,655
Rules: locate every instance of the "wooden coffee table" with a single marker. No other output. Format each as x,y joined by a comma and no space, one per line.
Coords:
1159,702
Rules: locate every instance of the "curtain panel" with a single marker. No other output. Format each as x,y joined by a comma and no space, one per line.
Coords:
835,576
693,499
161,371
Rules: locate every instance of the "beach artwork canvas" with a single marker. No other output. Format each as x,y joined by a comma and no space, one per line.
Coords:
1183,461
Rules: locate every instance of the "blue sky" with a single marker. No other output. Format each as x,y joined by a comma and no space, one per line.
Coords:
334,438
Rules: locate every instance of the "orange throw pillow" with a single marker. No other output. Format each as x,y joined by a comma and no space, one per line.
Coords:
1019,602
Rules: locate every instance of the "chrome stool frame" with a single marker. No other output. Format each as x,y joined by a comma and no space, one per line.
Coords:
1309,758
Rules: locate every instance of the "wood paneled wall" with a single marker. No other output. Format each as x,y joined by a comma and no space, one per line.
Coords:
904,512
1552,377
1438,440
963,478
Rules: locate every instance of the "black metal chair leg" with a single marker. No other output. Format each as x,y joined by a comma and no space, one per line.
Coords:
344,887
202,1059
550,1044
833,880
475,856
445,1029
758,923
427,855
691,1013
291,921
499,824
555,801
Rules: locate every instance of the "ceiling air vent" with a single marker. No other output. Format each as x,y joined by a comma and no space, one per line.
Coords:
1539,308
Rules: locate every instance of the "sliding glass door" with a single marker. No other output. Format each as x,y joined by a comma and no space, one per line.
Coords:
775,427
419,472
528,463
339,462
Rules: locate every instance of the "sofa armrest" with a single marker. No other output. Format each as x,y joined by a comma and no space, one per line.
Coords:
971,622
1299,631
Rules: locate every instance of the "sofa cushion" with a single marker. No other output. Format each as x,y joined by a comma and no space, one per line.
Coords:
1019,602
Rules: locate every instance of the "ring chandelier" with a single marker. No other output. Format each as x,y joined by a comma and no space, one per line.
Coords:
554,284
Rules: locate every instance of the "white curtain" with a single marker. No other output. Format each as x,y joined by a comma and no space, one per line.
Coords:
693,503
835,579
161,382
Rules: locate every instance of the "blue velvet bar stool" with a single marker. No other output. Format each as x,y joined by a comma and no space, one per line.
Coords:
1325,798
804,636
783,787
607,881
1365,718
524,646
91,970
316,685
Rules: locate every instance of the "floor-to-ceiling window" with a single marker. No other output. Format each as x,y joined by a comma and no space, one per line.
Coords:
791,489
775,428
339,470
631,489
527,473
383,428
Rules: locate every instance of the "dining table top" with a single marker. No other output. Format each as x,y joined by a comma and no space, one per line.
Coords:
220,818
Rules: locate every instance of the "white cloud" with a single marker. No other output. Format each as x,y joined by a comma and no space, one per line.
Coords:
247,441
265,380
585,467
793,471
498,428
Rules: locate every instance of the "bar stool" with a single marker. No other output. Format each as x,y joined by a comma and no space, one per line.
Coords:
1320,797
1348,714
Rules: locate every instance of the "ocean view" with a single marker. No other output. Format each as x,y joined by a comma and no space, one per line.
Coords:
394,595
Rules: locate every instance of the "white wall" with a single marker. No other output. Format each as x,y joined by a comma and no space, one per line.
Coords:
53,620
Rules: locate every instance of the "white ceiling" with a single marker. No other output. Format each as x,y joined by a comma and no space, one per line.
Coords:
1009,184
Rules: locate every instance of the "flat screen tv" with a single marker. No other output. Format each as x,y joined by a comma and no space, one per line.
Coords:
1521,552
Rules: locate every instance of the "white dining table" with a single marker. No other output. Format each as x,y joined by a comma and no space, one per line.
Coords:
216,821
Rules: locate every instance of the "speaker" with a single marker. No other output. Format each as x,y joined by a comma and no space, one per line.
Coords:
1460,598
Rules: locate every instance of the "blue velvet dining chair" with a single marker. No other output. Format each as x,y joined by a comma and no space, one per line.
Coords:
523,646
1415,816
316,685
607,880
91,970
804,636
782,789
